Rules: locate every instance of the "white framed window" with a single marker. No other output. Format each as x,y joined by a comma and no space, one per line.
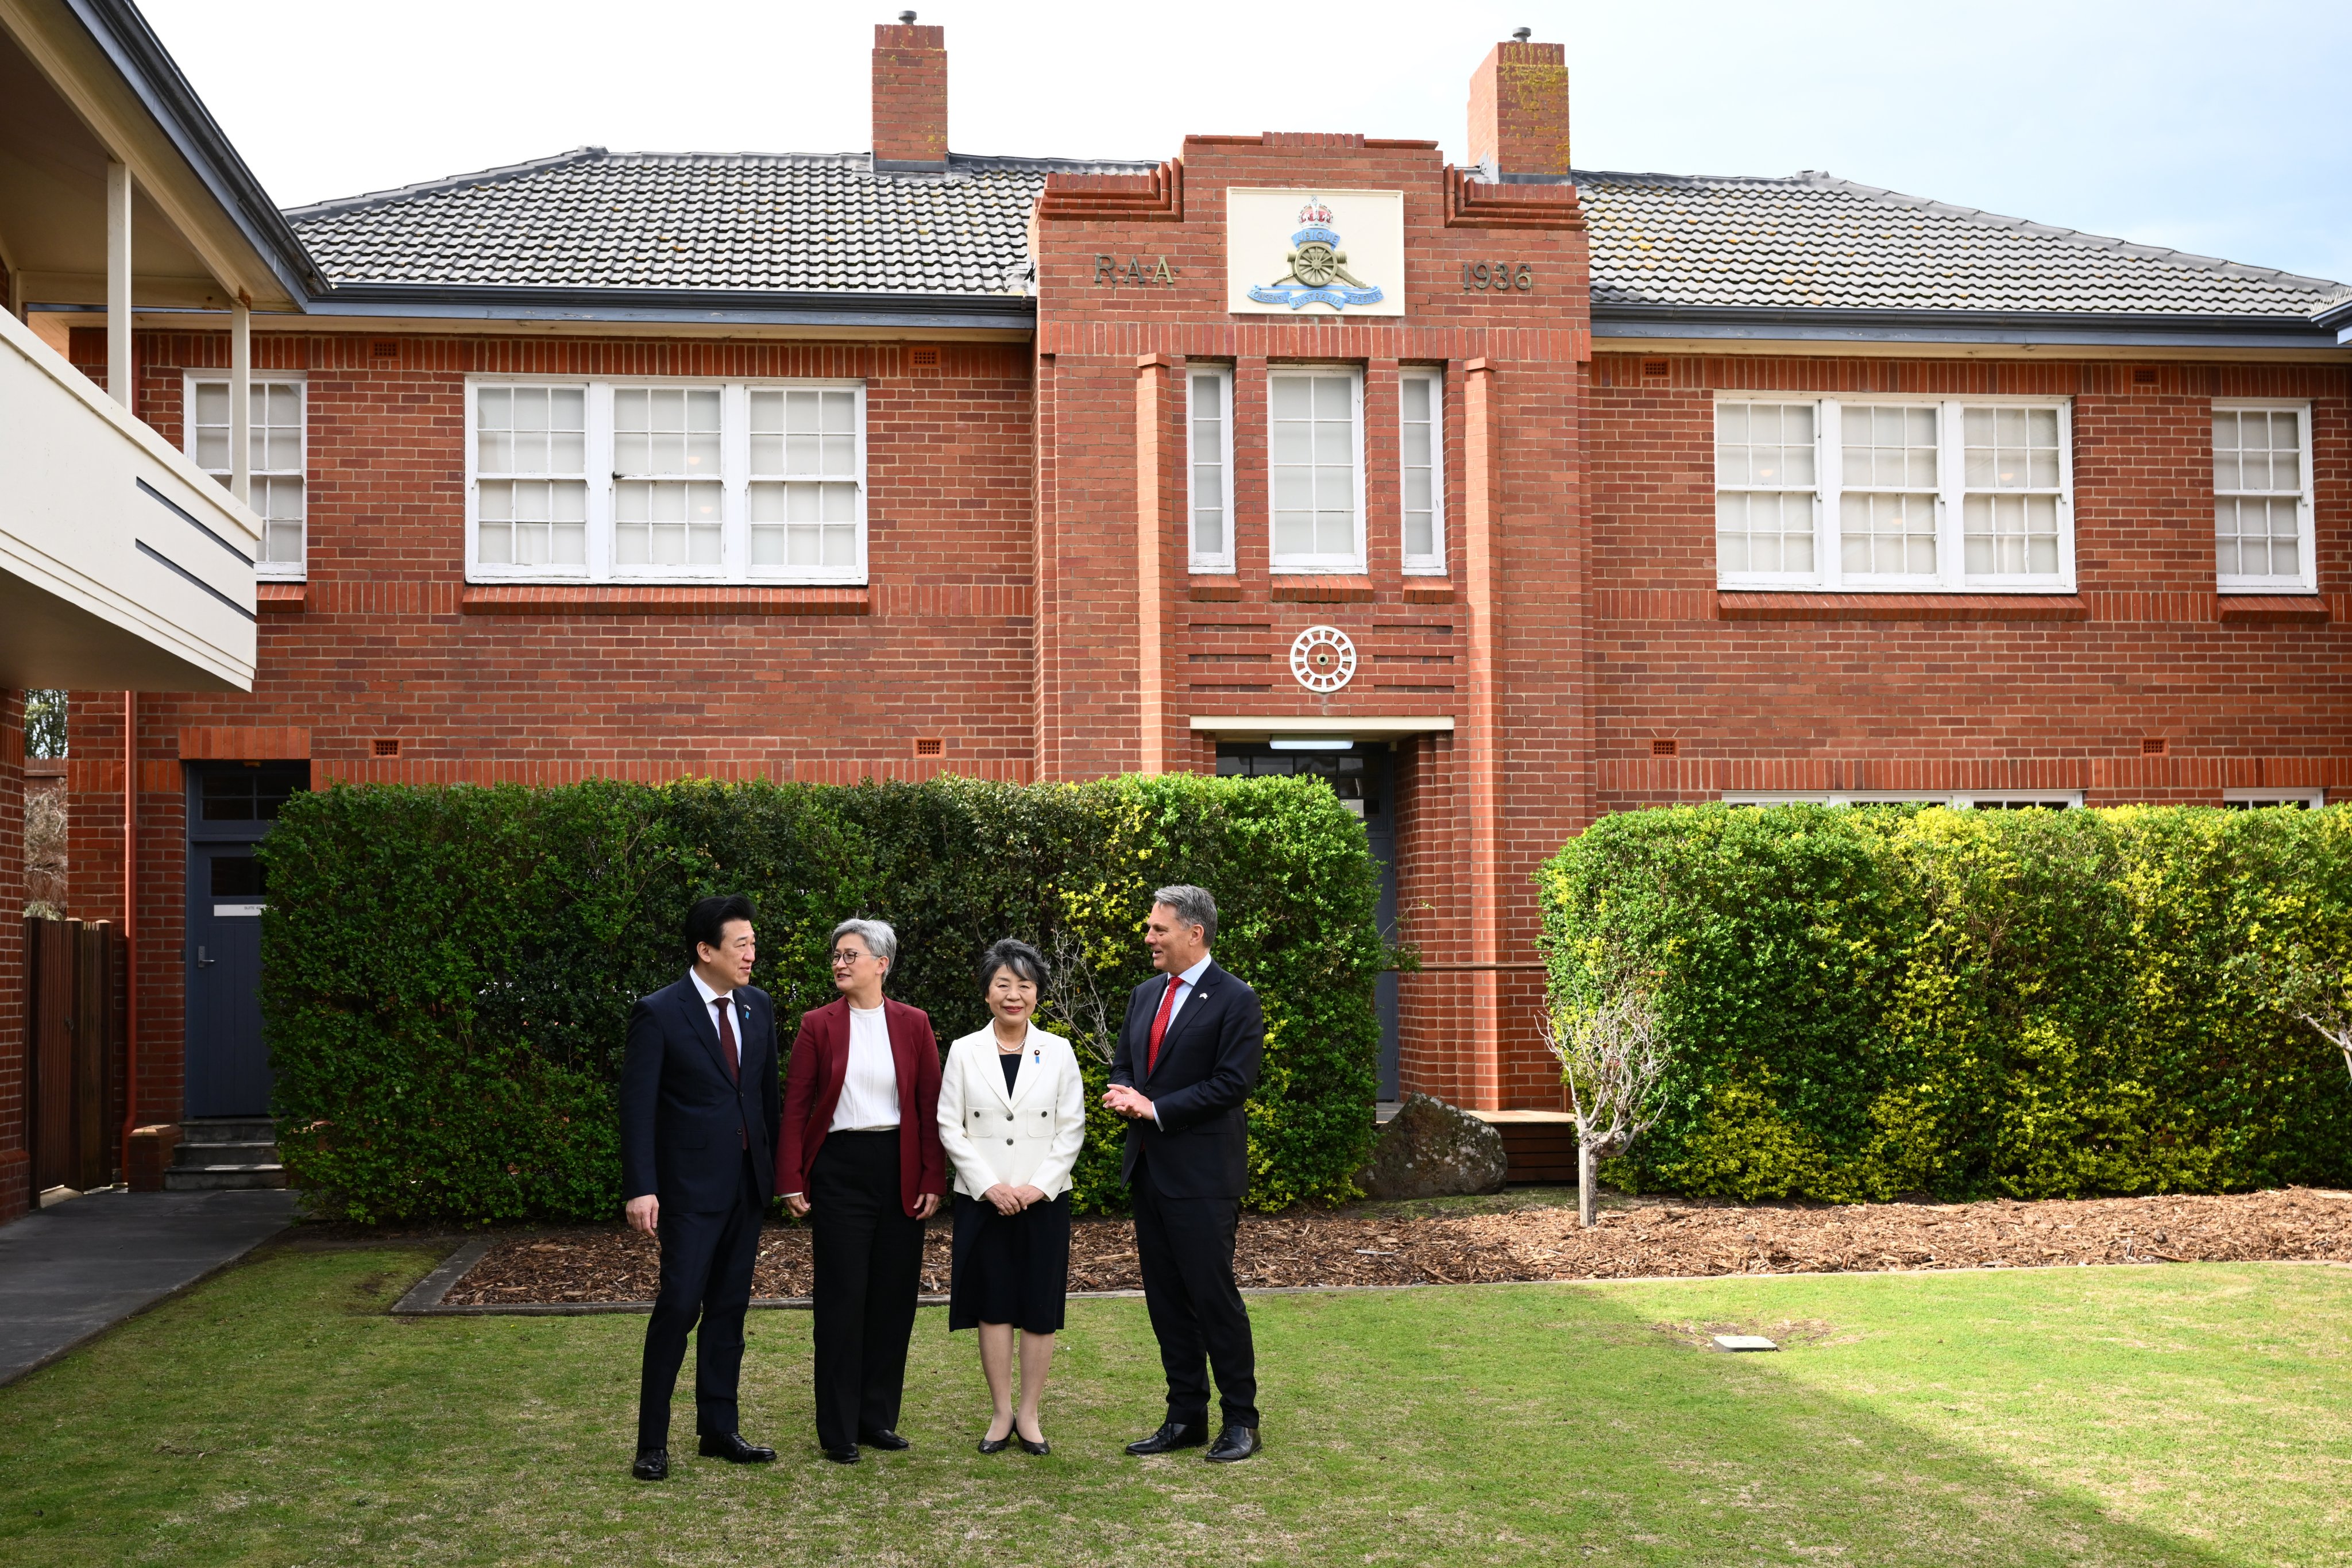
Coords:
671,481
1315,465
1208,459
2254,799
1894,494
278,459
2012,800
2262,499
1421,448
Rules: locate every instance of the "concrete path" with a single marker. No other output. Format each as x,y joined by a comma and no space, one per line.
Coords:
75,1270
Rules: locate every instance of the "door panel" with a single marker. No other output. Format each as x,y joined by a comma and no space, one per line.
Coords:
228,1066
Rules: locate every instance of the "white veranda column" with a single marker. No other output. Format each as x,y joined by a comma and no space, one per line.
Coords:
118,283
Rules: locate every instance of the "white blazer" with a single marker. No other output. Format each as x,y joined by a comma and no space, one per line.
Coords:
1031,1138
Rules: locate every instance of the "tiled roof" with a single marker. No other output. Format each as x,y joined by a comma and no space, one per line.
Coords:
1814,241
829,223
589,219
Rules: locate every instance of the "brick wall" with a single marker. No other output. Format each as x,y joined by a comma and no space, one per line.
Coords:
16,1107
911,94
1990,703
384,640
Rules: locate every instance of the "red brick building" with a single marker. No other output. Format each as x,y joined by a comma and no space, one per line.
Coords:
1502,495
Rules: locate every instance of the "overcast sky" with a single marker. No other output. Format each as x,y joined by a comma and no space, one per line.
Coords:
2219,128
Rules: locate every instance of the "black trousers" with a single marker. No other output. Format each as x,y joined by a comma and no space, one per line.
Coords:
869,1258
1185,1246
706,1273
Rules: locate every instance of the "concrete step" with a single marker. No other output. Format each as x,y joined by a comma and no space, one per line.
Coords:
228,1130
224,1178
193,1156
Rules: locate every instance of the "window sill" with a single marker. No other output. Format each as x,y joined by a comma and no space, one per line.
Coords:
1730,605
1428,591
2273,610
603,599
280,598
1335,589
1214,590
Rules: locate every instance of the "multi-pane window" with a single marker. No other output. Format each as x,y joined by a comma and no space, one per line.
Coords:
2033,800
2010,477
1421,400
805,500
681,481
276,459
1765,489
1314,463
1887,493
2262,499
531,477
666,484
1886,514
1209,452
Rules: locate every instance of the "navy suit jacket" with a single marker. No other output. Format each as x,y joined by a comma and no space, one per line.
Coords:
1208,1064
686,1125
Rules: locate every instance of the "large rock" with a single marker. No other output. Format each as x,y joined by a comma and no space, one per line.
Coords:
1430,1150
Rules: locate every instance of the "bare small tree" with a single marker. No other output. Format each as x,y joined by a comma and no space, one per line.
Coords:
1073,996
1612,1057
2311,987
45,828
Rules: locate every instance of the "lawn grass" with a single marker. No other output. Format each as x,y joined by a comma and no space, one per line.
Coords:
2186,1415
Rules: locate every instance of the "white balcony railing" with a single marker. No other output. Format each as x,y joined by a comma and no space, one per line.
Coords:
122,565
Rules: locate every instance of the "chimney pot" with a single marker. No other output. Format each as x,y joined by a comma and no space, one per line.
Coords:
910,96
1519,108
1520,34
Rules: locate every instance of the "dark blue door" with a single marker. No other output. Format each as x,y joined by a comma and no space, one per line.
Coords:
231,807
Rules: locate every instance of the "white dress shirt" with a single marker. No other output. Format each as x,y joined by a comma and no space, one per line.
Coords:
715,1002
869,1088
1186,983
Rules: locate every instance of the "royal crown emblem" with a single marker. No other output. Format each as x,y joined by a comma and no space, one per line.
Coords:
1318,271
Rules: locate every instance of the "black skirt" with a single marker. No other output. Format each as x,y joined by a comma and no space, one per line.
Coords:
1010,1269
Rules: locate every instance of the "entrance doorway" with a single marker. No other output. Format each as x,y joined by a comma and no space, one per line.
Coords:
1359,774
231,808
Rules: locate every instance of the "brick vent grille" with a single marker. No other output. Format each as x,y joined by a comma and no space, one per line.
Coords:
1666,748
930,746
386,748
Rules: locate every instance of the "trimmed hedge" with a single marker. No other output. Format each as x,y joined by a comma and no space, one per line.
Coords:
447,971
1865,1003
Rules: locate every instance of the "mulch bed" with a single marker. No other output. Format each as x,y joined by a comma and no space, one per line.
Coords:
1408,1245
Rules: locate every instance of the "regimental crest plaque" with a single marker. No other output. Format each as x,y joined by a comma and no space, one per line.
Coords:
1298,252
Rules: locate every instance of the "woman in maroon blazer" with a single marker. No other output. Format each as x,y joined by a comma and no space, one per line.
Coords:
859,1155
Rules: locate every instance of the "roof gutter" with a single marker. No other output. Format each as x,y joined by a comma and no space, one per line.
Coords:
118,29
2337,317
2117,329
677,307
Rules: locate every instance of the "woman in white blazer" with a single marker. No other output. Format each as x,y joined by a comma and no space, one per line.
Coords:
1011,1117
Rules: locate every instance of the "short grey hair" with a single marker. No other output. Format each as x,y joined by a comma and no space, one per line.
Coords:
879,939
1193,907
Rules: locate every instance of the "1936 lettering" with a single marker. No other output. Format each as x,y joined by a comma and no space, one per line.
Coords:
1500,277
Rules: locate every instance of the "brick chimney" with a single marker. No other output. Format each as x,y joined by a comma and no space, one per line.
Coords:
910,96
1519,108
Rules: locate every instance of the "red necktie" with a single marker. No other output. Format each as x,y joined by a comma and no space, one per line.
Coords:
727,1051
1159,1024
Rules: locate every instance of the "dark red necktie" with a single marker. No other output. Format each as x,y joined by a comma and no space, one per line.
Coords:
1159,1024
727,1036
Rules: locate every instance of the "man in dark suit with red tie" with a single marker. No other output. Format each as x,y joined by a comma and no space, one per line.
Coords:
698,1111
1188,1059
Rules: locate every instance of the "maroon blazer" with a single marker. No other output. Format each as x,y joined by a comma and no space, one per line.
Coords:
813,1088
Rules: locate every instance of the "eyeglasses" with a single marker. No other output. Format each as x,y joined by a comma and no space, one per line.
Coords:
848,955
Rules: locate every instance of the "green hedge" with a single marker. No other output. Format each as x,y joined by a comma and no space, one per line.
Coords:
1868,1003
447,971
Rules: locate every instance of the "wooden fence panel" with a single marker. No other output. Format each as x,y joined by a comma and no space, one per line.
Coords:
71,1029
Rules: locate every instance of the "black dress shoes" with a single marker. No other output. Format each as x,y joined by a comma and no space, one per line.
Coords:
652,1465
889,1442
731,1446
1170,1436
1234,1443
842,1456
996,1445
1039,1447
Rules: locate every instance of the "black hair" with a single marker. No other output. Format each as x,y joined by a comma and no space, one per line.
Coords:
1016,956
706,923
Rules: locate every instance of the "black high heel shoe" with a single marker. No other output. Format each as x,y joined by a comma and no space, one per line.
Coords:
1039,1447
997,1445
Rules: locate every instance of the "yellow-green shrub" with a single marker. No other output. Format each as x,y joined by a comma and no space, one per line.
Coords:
1868,1002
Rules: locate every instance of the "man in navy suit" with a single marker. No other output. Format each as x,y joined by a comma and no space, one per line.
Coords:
1188,1059
698,1110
